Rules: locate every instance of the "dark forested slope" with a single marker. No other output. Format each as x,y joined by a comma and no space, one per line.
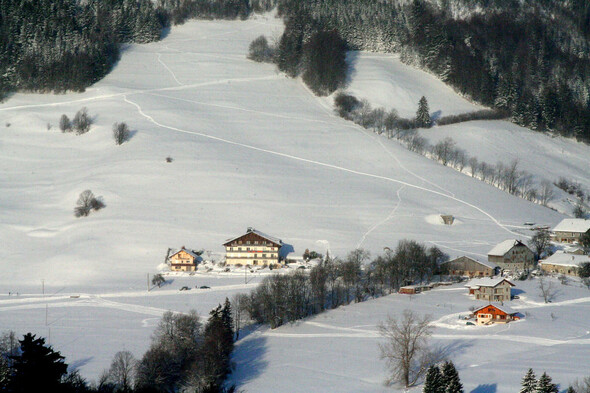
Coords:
530,57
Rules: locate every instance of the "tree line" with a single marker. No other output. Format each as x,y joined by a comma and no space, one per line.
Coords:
284,298
185,355
528,59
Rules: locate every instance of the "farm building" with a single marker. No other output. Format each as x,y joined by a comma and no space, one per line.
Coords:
494,313
414,289
465,266
570,230
512,255
563,263
490,289
253,248
184,260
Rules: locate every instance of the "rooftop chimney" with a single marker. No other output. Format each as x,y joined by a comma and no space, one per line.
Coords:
250,229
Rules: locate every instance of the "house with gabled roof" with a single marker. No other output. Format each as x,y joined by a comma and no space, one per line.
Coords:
466,266
494,313
569,230
512,255
253,248
563,263
184,260
490,289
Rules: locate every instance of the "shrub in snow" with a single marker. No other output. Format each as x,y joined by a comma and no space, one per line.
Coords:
87,202
121,133
260,51
64,123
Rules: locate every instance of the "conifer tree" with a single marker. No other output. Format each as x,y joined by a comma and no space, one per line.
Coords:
423,114
38,368
529,382
433,382
450,378
545,385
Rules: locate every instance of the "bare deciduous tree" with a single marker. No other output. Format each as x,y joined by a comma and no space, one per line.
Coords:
546,193
443,150
406,347
548,291
82,121
122,371
473,166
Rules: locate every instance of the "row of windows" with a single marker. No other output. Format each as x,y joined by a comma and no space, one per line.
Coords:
248,248
255,242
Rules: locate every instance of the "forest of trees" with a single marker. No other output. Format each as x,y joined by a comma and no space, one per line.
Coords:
530,59
284,298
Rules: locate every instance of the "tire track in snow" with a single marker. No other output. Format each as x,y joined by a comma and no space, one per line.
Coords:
389,217
322,164
456,249
169,70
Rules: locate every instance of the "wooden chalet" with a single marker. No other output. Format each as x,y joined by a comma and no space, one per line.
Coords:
494,313
253,248
184,260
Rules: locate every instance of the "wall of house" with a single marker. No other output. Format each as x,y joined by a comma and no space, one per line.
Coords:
518,258
500,293
464,266
559,269
566,237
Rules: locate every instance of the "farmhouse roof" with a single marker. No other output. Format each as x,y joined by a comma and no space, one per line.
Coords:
500,307
561,258
502,248
491,265
486,282
189,252
257,232
578,225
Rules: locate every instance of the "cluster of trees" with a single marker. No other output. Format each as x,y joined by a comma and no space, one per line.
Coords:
318,55
530,384
442,379
284,298
184,356
78,42
81,123
528,59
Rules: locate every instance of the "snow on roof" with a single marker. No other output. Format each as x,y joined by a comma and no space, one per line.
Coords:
261,234
189,252
499,306
491,265
564,259
502,248
486,282
578,225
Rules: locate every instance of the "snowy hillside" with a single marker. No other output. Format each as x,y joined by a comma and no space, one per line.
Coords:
250,147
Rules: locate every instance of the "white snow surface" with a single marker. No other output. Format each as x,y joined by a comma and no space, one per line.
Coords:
251,147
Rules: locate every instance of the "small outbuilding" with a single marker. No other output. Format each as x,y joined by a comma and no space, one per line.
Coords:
494,313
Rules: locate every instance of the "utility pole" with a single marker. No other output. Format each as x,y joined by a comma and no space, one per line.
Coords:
43,286
46,312
245,274
148,282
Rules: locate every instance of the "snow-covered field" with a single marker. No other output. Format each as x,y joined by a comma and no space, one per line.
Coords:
250,147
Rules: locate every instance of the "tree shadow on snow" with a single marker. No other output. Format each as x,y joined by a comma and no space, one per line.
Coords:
351,60
443,352
248,360
485,388
76,364
436,115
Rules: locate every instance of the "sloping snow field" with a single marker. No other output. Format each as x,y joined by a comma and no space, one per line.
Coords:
250,147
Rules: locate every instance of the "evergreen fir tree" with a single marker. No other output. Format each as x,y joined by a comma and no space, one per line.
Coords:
529,382
544,385
423,115
433,382
38,368
450,379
